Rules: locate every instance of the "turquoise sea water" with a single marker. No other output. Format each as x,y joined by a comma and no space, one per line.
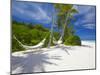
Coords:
91,41
88,41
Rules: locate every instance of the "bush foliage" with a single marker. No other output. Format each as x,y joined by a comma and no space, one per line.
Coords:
31,35
27,34
73,40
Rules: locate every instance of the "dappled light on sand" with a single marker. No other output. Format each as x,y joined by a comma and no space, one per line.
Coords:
32,62
57,58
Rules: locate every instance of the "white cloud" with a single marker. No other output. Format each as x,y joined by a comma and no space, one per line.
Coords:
86,16
89,26
18,10
42,14
83,8
35,13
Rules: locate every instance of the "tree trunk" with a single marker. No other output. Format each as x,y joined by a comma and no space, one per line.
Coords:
51,31
65,25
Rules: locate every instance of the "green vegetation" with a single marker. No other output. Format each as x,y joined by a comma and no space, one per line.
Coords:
27,34
64,16
31,35
73,40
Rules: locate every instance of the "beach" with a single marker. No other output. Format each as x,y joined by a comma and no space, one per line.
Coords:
56,58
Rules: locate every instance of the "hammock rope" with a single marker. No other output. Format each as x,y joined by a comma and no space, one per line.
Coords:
39,45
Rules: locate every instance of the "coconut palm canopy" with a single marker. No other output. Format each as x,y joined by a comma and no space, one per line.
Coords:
80,16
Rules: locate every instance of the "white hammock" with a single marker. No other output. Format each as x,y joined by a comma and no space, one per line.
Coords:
39,45
57,42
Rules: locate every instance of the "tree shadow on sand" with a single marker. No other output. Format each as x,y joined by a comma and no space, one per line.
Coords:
64,48
87,46
31,62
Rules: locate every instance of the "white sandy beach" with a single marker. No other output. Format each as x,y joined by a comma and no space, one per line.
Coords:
54,59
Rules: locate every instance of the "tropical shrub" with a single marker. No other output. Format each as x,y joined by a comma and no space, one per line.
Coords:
27,35
73,40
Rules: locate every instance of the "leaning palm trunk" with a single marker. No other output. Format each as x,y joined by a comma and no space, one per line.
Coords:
62,35
51,35
51,31
63,9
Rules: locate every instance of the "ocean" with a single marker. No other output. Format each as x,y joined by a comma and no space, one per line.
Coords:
88,42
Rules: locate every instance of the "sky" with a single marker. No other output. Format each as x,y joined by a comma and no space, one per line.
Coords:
41,13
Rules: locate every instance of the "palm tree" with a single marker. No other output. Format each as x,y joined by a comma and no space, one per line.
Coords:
51,31
64,13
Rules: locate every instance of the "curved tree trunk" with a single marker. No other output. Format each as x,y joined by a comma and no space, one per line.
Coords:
51,31
65,25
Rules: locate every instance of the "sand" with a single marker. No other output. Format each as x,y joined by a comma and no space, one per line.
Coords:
56,58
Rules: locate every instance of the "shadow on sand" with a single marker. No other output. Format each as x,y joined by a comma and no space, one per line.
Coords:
64,48
87,46
32,62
